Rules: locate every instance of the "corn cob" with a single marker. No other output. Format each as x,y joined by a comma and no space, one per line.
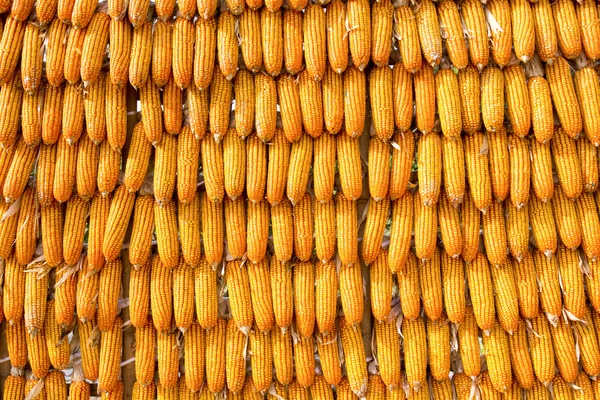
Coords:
424,86
431,286
303,228
429,171
322,390
543,226
476,160
21,9
290,107
545,30
347,229
426,223
271,29
195,360
258,230
351,293
139,295
11,45
162,51
261,360
388,353
39,360
410,288
94,47
14,387
453,285
403,149
304,361
188,154
564,96
304,297
311,103
238,283
56,343
245,100
517,98
250,39
137,12
349,166
447,91
588,93
46,10
415,352
567,28
586,15
83,11
11,95
492,98
382,24
205,51
507,306
89,336
299,168
564,350
527,286
16,344
281,288
521,364
161,295
501,34
282,355
52,232
589,167
260,291
470,98
205,288
266,107
236,357
407,37
172,106
213,229
297,392
468,344
439,353
282,225
189,230
571,282
326,289
517,230
76,214
376,219
87,292
547,275
359,38
31,59
500,172
355,94
402,97
34,382
337,39
381,287
184,36
145,340
109,168
183,295
141,49
108,293
325,228
207,8
165,217
523,29
138,159
542,180
168,359
380,92
452,33
314,27
14,291
86,174
165,169
99,212
293,39
27,227
80,390
429,32
481,290
220,99
116,223
475,24
379,166
587,212
8,230
73,110
354,353
31,118
227,44
567,221
324,168
585,336
449,220
94,110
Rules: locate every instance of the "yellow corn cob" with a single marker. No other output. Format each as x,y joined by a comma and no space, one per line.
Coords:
250,39
589,167
542,180
359,38
521,364
87,292
517,230
586,15
137,12
205,287
588,212
207,8
349,165
354,353
172,106
8,231
429,171
588,93
523,29
410,288
258,230
195,361
567,28
168,359
527,286
542,226
447,92
351,293
256,167
89,336
165,217
415,352
138,159
376,218
161,295
487,389
80,390
260,291
303,228
236,357
99,210
326,289
212,163
213,229
261,360
449,219
110,357
11,95
476,160
470,98
32,383
429,32
311,104
227,45
21,9
145,341
322,390
76,215
189,230
299,167
304,361
492,98
293,40
382,30
11,45
381,287
314,27
407,36
517,99
165,168
73,110
162,51
271,29
431,286
547,275
55,385
494,227
46,10
108,293
324,167
481,289
453,171
325,228
347,229
468,344
355,94
52,232
564,96
290,106
426,223
109,167
14,291
380,92
83,11
453,285
120,39
500,172
215,351
205,52
586,340
438,333
545,30
183,295
58,350
94,109
282,355
31,118
65,295
282,225
388,353
86,174
501,35
304,297
16,344
139,294
541,108
220,99
31,58
567,221
116,223
188,154
184,36
337,39
141,50
564,350
452,32
94,46
281,288
403,149
238,283
402,92
234,156
475,24
507,306
424,86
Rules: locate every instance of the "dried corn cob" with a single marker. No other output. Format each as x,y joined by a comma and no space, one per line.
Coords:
410,288
32,58
293,39
117,221
139,295
542,180
11,46
429,32
324,168
588,212
564,96
205,288
11,95
424,86
141,49
567,221
588,93
403,149
109,168
449,220
547,275
311,103
380,92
